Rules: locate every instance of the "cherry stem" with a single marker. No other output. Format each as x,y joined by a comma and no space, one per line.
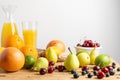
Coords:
69,50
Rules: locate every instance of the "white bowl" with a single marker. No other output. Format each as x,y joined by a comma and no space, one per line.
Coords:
89,49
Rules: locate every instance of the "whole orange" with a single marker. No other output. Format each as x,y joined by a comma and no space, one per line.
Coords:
30,50
14,41
12,59
57,43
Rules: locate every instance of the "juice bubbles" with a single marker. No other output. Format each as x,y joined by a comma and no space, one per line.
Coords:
30,37
7,30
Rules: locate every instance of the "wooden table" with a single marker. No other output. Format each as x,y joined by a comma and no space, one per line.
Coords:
29,75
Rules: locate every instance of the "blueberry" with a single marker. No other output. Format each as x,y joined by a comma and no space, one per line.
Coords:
75,75
95,72
113,66
56,67
113,63
107,74
112,72
118,69
87,71
90,75
73,71
83,72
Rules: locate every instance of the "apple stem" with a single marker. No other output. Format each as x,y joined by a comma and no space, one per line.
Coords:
69,50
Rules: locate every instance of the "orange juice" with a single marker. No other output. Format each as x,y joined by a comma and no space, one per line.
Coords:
30,37
7,30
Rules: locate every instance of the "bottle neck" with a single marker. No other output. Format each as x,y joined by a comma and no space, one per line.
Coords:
10,18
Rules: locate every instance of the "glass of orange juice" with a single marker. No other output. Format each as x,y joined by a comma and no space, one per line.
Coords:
29,30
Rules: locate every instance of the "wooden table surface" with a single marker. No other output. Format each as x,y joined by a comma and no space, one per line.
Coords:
24,74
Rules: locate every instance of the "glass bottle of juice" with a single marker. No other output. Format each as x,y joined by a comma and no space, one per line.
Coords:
9,27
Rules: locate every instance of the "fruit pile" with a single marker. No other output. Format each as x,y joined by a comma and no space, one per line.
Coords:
89,43
85,70
51,68
97,71
27,57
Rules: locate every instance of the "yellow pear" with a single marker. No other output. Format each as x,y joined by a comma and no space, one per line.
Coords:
51,54
93,54
71,62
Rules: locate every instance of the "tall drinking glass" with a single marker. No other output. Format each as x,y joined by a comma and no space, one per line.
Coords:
30,33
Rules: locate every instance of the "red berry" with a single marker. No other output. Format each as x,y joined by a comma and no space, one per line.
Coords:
51,63
60,68
100,74
43,71
85,68
97,68
86,41
87,45
90,41
50,69
91,44
110,68
97,44
105,70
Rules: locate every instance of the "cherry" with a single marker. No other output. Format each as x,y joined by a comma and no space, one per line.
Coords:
85,68
110,68
50,69
97,44
51,63
43,71
100,74
89,43
60,68
105,70
97,68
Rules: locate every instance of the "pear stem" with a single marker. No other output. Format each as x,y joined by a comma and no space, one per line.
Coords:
69,50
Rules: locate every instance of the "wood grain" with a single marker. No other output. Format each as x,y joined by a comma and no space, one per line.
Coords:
24,74
30,75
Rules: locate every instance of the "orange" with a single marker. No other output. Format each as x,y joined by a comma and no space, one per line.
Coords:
14,41
57,43
30,50
1,49
12,59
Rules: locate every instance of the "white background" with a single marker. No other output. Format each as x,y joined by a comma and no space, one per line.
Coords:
71,20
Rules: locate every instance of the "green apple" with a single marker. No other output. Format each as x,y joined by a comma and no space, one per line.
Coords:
102,60
84,59
82,51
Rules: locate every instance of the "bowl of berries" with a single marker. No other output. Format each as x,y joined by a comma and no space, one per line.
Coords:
88,45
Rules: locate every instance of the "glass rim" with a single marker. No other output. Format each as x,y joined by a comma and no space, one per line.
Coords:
32,25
